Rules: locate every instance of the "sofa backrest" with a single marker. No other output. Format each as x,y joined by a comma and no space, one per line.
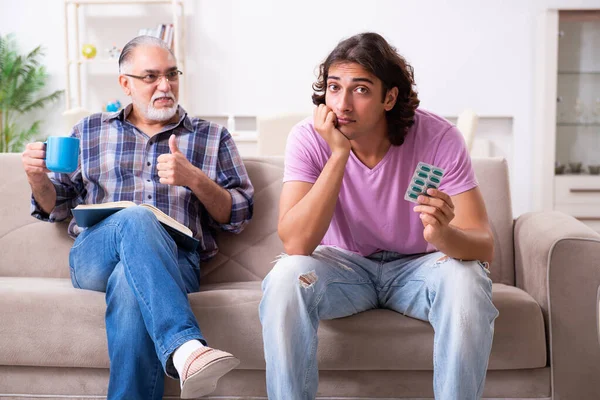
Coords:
250,255
492,174
29,247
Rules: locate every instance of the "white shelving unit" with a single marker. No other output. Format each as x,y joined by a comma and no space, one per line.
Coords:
73,35
568,113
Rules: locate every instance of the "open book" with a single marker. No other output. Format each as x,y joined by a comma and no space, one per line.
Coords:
87,215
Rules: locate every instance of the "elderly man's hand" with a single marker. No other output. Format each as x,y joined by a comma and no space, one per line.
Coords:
174,168
34,164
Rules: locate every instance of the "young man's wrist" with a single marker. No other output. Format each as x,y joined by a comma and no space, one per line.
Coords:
340,154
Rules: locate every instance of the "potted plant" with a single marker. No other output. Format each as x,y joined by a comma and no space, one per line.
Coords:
22,77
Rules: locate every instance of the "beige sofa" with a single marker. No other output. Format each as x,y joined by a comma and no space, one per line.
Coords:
546,274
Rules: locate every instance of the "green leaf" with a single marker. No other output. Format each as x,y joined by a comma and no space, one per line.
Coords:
23,78
20,138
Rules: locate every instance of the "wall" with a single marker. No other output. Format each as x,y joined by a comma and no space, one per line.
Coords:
260,57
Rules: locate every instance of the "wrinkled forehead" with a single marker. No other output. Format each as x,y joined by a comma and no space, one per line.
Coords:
152,58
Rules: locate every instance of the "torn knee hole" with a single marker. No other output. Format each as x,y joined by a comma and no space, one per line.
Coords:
308,279
442,259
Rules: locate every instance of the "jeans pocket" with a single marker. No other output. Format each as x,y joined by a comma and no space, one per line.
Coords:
485,266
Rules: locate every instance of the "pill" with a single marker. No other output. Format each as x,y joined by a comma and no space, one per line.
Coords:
425,168
434,179
438,173
422,175
419,182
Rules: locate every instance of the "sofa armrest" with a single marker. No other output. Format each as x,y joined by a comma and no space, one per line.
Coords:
557,261
536,234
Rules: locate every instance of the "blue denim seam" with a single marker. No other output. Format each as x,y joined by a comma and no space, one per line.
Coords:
312,360
379,275
176,342
318,299
411,304
480,387
155,377
433,293
106,225
435,361
133,281
144,301
310,310
78,244
74,280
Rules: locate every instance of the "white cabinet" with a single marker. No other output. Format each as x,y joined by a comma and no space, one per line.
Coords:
578,195
116,21
567,148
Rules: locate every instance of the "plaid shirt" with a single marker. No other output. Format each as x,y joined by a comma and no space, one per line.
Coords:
118,162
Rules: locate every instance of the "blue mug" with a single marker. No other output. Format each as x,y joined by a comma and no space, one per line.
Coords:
62,154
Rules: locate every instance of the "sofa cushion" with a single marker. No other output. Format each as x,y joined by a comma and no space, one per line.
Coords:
46,322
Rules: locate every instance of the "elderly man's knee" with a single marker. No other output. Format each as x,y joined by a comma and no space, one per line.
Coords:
137,214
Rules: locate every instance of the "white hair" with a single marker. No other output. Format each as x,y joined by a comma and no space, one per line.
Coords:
127,53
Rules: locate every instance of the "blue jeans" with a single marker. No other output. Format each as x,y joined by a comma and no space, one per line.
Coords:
454,296
131,257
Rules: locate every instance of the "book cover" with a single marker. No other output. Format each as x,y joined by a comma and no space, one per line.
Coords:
87,215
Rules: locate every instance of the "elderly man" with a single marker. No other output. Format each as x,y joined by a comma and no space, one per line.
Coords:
150,152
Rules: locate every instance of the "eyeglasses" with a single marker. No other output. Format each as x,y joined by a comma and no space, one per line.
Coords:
171,76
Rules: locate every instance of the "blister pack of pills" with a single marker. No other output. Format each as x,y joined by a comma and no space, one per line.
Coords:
425,176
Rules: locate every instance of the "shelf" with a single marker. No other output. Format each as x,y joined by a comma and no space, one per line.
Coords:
578,72
75,15
583,175
80,2
112,61
578,124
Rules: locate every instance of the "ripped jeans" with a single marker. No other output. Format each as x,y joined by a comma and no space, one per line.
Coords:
333,283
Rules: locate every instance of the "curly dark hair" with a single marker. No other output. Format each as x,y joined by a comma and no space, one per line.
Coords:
372,52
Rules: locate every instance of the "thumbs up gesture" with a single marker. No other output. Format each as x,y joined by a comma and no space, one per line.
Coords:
174,168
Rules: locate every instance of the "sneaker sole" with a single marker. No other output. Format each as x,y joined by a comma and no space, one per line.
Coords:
205,381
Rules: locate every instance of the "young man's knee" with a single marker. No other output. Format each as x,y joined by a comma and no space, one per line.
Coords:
467,273
293,270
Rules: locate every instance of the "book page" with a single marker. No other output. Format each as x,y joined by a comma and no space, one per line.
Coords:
160,215
113,204
168,220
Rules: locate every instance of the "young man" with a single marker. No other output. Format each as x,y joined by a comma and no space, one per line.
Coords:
353,243
150,152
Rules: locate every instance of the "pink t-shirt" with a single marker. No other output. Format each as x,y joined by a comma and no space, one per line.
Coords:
371,214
